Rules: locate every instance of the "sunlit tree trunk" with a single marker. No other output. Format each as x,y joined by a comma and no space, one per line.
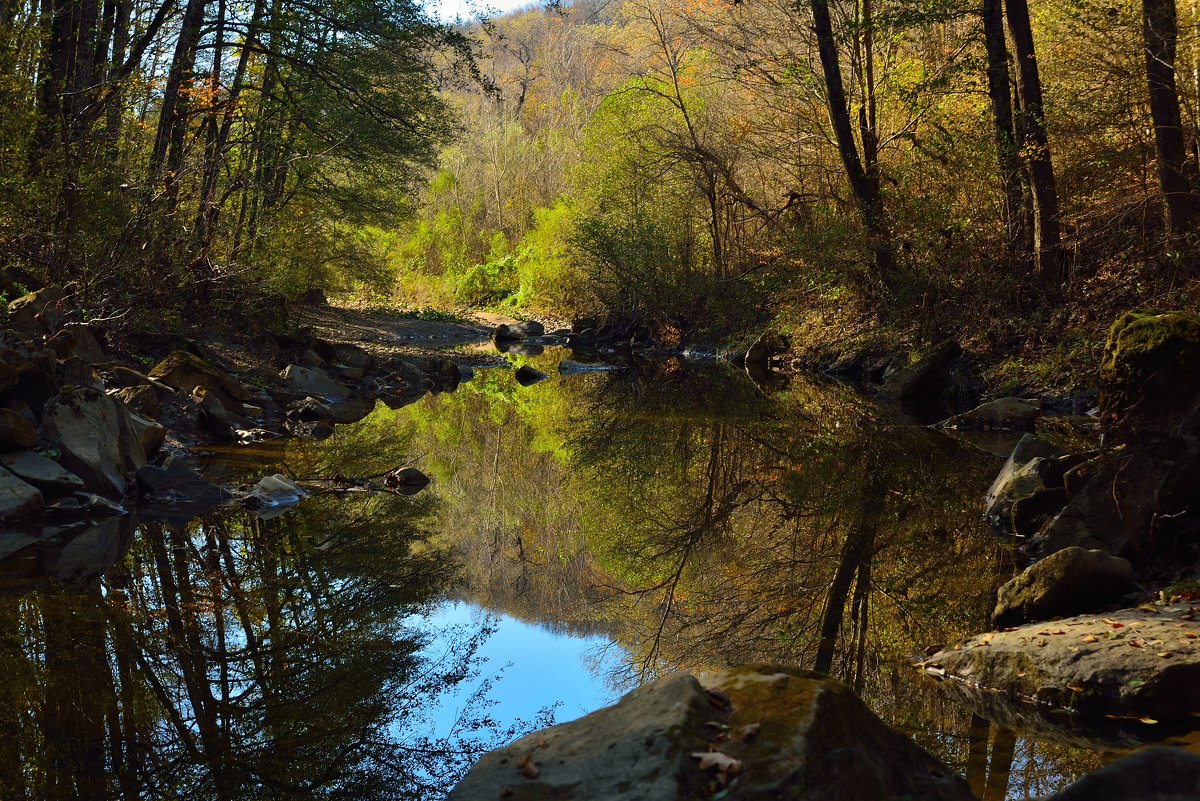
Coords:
1176,172
1000,94
863,184
1049,259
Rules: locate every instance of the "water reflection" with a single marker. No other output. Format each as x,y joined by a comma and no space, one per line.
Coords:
692,519
240,658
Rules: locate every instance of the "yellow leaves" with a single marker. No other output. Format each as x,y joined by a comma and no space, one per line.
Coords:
1091,638
528,767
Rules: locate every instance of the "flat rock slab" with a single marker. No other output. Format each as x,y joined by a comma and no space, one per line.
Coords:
756,733
1139,663
45,474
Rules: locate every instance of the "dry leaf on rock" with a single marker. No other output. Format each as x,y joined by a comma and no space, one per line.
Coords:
722,762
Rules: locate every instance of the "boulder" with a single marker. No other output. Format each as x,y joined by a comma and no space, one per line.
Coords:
18,499
925,377
1155,774
527,376
1067,582
773,732
313,382
1011,414
310,358
149,434
1148,375
1136,662
309,410
96,437
1015,482
45,474
142,398
406,480
522,330
345,354
212,416
16,433
76,340
176,492
768,345
38,313
184,371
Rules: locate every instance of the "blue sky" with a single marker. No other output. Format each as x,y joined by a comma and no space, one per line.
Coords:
543,668
449,10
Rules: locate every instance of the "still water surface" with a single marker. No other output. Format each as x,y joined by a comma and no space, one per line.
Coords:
580,536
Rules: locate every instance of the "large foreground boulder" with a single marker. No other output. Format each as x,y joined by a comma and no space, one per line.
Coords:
754,733
1067,582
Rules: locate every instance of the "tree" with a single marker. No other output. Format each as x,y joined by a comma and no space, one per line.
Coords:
1177,174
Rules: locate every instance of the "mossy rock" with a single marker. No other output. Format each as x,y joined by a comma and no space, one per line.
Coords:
1149,377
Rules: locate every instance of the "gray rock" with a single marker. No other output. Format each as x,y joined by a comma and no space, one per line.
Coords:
782,733
277,492
142,398
1156,774
18,499
16,433
96,437
768,345
1067,582
175,491
465,374
1093,665
310,358
45,474
909,382
522,330
527,376
1011,414
309,410
406,480
315,383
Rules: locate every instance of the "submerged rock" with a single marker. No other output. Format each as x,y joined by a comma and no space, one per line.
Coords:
1067,582
765,732
277,492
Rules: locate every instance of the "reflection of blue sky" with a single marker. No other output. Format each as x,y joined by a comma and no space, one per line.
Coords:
451,10
544,668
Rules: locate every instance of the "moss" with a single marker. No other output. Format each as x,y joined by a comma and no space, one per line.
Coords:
1148,374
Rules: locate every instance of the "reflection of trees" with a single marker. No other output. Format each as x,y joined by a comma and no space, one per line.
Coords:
239,658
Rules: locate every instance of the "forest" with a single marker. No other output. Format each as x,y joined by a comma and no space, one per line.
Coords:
1008,175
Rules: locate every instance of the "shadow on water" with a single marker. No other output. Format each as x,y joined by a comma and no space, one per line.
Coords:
691,517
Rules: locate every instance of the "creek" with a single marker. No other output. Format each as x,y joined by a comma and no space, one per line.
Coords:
580,536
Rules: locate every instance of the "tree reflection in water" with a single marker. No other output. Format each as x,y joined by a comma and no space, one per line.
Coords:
700,523
237,658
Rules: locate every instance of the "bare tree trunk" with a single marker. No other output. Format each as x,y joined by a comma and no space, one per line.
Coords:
1000,94
864,186
1049,259
1176,173
167,158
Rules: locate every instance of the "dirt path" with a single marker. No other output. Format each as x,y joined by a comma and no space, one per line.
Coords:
390,332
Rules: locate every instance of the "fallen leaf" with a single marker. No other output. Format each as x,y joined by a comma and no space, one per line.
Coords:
722,762
745,733
527,767
1165,654
1091,638
1114,623
1075,687
1151,608
1137,643
1191,635
1147,720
